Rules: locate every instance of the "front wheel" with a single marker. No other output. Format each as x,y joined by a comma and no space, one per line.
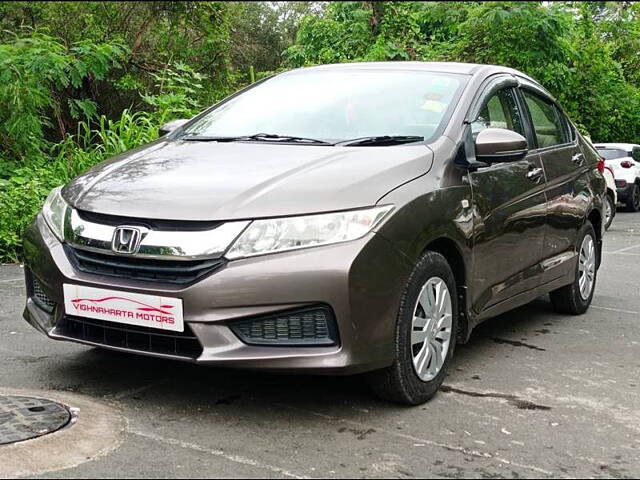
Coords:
425,335
576,297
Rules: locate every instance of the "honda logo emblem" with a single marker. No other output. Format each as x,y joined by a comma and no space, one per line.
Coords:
126,239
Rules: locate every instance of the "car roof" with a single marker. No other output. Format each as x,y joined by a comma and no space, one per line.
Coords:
621,146
444,67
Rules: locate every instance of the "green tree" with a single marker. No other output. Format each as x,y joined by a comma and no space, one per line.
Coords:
38,76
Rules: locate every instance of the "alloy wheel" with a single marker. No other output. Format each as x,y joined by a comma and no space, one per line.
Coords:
431,329
587,267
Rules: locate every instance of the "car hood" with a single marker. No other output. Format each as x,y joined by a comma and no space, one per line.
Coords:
188,180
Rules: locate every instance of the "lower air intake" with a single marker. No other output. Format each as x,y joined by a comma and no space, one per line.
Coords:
39,296
130,337
313,326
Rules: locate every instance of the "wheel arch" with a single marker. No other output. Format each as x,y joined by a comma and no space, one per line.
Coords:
595,217
452,252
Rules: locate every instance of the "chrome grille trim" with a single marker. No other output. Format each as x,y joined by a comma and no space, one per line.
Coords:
155,244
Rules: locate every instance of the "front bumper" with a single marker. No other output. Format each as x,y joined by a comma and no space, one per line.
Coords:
361,281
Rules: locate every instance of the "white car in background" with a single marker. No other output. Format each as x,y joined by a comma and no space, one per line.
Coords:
624,160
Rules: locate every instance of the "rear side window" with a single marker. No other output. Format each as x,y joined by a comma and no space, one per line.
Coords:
549,127
499,111
569,134
635,154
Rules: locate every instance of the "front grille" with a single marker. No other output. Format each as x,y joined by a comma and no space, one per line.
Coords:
39,296
166,271
153,224
141,339
305,327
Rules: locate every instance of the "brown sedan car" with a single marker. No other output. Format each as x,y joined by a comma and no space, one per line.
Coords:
337,219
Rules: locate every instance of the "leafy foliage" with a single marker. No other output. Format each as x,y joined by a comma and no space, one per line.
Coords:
82,81
34,71
97,138
583,53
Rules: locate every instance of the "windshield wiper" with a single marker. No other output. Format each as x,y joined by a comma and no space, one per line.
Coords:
207,138
382,140
284,138
267,137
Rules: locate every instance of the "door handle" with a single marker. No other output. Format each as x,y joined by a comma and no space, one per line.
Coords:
578,159
534,174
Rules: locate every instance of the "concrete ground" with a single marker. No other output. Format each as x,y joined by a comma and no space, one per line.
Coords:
534,394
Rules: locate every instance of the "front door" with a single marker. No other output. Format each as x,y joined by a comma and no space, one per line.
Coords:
510,209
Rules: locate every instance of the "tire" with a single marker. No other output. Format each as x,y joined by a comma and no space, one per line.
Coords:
401,382
570,299
633,199
609,210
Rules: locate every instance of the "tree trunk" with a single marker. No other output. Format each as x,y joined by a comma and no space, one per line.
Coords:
377,12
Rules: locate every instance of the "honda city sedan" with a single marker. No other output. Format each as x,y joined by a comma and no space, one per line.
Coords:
340,219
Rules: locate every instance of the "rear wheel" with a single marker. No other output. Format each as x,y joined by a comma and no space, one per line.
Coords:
633,199
576,297
425,335
609,210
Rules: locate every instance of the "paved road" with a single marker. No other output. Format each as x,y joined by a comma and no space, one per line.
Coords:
534,394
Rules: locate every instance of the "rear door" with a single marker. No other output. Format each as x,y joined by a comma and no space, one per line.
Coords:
509,204
568,191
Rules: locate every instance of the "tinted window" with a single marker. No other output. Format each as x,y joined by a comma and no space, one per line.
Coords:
547,124
635,153
338,105
611,153
500,111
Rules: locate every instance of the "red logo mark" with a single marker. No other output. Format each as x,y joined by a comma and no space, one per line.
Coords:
144,307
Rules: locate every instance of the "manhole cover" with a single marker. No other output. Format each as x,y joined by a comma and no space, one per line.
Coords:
22,418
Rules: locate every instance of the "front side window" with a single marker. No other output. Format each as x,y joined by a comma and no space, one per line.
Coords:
499,111
338,105
547,124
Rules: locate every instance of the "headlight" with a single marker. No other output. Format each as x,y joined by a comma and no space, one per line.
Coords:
290,233
54,212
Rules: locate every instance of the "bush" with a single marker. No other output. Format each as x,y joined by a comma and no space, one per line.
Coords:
24,191
21,197
34,70
88,80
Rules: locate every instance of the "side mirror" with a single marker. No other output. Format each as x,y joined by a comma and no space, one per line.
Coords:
171,126
497,145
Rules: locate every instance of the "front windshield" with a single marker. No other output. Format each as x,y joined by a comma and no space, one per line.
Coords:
337,105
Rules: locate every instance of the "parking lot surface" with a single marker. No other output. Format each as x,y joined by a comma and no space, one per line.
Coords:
533,394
